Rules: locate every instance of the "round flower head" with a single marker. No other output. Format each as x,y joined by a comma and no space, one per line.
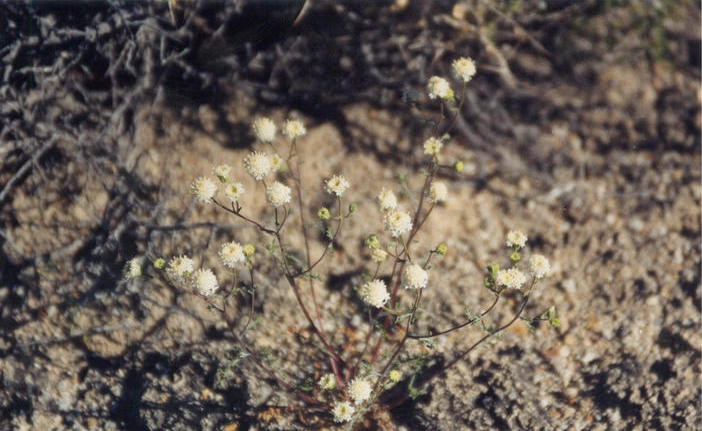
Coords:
395,376
539,266
432,146
234,191
327,382
294,129
203,189
378,255
248,250
205,282
374,293
516,238
258,165
511,278
464,68
387,199
278,194
133,268
359,390
439,87
222,172
180,267
231,253
276,162
336,185
160,263
414,277
343,412
438,191
323,213
397,222
264,129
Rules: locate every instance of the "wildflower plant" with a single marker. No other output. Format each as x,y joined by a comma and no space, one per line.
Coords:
355,381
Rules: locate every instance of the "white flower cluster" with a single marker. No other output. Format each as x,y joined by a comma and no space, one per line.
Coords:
360,390
379,255
374,293
432,146
258,165
222,172
386,200
203,189
414,277
278,194
264,129
343,412
294,129
133,268
397,222
336,185
511,278
327,382
539,266
179,268
232,253
205,282
439,87
438,192
233,191
516,238
464,68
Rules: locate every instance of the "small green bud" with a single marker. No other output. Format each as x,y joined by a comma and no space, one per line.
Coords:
372,242
442,249
555,322
160,263
248,250
352,208
492,269
395,376
514,257
458,166
323,213
489,282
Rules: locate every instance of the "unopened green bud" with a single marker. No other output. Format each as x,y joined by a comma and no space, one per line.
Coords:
323,213
372,242
514,257
395,376
352,208
248,250
160,263
458,166
442,249
492,269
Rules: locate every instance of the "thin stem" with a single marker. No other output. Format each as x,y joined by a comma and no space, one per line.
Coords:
458,109
326,249
462,355
297,180
468,322
257,360
237,212
291,281
402,342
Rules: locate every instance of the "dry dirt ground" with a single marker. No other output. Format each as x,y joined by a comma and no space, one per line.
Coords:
601,169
